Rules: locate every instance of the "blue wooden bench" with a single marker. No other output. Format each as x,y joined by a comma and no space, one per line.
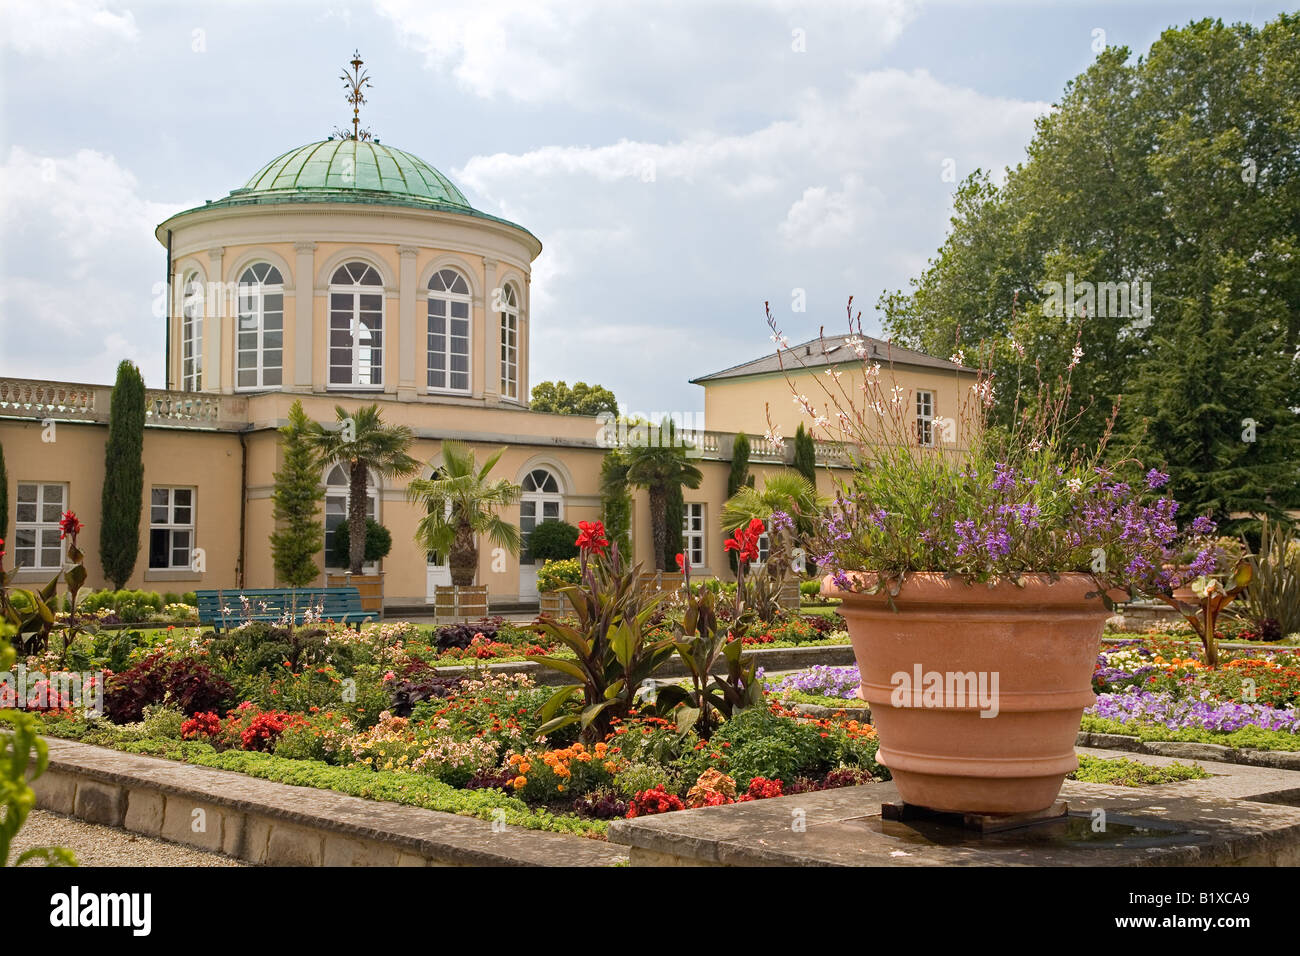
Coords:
230,607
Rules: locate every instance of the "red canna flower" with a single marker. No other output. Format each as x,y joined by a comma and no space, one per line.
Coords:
681,561
745,541
591,536
69,525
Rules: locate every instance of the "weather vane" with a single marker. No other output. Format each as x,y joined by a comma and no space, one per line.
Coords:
354,83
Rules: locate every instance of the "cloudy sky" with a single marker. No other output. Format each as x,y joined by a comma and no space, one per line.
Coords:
682,160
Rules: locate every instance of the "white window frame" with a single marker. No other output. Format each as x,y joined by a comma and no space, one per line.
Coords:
332,491
693,534
449,299
172,526
43,529
509,343
251,317
539,500
764,549
356,290
192,334
925,418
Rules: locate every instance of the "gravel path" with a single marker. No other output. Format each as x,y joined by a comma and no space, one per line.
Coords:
97,845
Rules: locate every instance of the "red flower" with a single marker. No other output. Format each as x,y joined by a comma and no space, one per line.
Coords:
745,541
681,560
591,536
69,525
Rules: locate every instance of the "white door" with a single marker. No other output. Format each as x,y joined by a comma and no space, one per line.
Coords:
542,501
437,574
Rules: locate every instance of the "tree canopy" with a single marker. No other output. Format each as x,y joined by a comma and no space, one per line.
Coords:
1155,226
582,399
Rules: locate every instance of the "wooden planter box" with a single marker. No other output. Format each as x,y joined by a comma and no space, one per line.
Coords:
554,603
370,586
453,604
789,596
660,580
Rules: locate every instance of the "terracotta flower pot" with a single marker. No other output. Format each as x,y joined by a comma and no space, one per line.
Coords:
1022,656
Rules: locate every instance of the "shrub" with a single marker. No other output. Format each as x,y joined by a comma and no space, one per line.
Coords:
553,541
555,574
183,682
379,541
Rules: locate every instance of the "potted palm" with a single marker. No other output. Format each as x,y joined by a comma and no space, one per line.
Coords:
369,448
461,504
976,581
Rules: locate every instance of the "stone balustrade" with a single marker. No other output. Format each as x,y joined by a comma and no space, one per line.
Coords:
63,401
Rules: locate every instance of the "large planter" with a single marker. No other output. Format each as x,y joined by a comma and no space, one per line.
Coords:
369,586
995,734
553,604
454,604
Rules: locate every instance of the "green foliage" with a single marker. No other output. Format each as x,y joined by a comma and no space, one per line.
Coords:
379,541
805,455
674,514
613,650
461,504
23,758
786,491
553,541
1274,591
1176,169
1123,772
615,502
1248,738
123,492
371,450
299,534
553,575
582,399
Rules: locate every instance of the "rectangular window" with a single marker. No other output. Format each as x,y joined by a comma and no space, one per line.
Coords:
171,528
925,418
509,355
693,534
36,527
356,341
259,338
448,345
192,352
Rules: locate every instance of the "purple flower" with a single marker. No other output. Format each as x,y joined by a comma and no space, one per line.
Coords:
1204,524
1156,479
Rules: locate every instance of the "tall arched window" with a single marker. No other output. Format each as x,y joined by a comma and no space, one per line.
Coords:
259,336
448,347
337,494
509,342
356,327
541,501
192,334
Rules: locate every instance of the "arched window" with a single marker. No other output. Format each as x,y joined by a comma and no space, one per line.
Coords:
337,495
509,343
541,501
448,347
356,327
192,334
259,336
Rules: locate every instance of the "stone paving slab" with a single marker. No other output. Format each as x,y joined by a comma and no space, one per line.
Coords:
1239,816
272,823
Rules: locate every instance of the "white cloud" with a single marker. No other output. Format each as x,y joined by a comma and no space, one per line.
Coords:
81,261
669,59
60,27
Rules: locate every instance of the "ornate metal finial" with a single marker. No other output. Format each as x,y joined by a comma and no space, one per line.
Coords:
353,84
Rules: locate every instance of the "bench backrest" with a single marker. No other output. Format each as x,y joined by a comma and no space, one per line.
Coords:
226,605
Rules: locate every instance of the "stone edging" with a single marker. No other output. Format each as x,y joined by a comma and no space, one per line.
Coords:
1189,750
277,824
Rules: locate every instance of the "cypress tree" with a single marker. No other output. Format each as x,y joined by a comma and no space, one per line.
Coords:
674,515
299,536
739,477
805,454
123,494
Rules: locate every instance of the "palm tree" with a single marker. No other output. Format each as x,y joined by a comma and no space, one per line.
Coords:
787,491
460,503
368,447
657,468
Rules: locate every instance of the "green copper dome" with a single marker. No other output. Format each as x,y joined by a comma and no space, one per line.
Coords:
349,170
